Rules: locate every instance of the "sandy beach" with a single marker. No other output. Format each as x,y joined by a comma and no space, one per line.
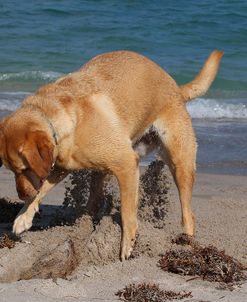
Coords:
219,202
66,258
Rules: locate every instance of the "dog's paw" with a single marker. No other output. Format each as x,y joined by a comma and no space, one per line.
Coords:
126,249
22,223
126,252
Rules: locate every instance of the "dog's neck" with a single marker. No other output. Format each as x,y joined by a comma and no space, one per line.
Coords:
45,117
53,130
51,126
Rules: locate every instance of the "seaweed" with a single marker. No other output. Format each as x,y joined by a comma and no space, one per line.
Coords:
184,239
6,241
149,292
207,262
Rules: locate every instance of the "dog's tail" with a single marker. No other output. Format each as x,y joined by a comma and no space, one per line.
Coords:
204,79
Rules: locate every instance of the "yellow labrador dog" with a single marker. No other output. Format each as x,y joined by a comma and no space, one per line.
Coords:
96,118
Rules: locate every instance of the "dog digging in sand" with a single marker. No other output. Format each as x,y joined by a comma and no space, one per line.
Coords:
101,117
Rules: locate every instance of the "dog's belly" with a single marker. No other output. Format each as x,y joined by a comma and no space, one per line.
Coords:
147,143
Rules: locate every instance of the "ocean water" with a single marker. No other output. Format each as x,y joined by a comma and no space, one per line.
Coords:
42,40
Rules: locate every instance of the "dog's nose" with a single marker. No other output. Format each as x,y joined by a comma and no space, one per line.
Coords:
25,196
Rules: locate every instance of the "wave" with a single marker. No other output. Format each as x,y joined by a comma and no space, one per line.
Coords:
200,108
10,101
9,106
214,109
31,75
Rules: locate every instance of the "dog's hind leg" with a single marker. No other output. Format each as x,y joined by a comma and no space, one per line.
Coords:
96,192
24,219
178,139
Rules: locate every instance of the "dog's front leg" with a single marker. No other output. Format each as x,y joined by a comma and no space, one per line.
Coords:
24,219
128,179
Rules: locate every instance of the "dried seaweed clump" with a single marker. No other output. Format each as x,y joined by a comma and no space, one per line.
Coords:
207,262
149,292
8,210
6,241
184,239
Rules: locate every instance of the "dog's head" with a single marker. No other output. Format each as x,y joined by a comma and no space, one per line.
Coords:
28,152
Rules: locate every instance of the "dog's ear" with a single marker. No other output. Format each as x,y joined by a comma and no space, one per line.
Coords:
38,152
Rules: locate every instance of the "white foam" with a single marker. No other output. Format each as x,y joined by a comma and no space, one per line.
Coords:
200,108
10,101
29,75
8,105
211,108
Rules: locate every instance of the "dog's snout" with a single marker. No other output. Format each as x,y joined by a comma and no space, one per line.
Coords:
24,187
25,194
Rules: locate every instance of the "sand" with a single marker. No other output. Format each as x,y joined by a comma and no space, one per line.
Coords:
219,203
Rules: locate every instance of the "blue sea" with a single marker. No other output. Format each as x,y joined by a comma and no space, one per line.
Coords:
42,40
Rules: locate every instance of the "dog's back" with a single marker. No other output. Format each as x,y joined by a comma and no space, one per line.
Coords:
138,89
